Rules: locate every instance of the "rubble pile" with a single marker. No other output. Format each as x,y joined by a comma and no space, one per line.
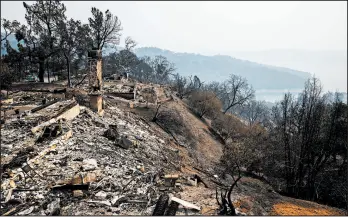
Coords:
56,162
147,94
119,87
152,93
61,157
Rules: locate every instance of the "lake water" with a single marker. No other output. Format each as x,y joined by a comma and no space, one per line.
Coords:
273,95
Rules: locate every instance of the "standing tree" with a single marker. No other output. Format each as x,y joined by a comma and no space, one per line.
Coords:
41,37
185,88
126,60
16,60
180,85
214,87
162,68
105,28
6,77
235,91
310,131
130,43
9,28
143,71
254,111
74,39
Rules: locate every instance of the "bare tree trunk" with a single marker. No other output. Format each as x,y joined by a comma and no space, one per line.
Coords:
48,71
41,70
68,69
154,119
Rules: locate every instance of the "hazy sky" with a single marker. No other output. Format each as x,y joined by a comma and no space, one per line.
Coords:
214,27
219,27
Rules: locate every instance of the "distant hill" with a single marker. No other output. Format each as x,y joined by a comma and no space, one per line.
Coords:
329,65
219,67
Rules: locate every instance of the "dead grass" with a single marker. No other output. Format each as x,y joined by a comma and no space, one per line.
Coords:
291,209
206,144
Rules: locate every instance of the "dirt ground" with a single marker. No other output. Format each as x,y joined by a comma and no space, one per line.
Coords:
252,197
208,147
303,208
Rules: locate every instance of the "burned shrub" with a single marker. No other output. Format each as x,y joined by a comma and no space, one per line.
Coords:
227,126
226,206
205,103
251,151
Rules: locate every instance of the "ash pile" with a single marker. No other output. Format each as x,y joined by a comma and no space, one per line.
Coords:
61,158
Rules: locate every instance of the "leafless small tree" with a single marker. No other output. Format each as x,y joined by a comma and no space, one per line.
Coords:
235,91
184,87
169,120
226,206
130,43
154,119
180,83
254,111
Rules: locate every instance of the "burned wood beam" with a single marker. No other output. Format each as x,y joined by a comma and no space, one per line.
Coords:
65,109
45,90
36,90
186,204
128,96
115,99
59,90
67,113
44,106
24,189
14,210
71,187
17,159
